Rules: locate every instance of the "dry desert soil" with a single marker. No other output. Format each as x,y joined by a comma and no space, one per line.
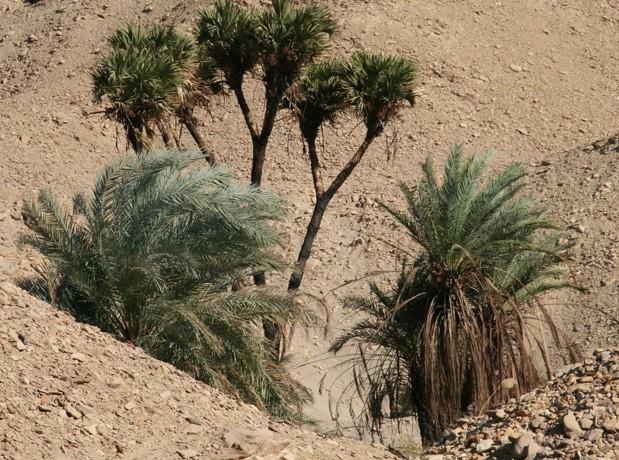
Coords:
536,79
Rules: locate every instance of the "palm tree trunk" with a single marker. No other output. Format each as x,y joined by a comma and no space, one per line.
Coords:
306,248
166,135
133,128
261,142
322,202
191,122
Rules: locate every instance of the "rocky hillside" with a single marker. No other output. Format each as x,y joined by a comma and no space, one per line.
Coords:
68,391
575,416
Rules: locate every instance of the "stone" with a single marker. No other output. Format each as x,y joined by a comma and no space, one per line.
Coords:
286,455
525,447
538,422
586,423
188,453
193,420
45,408
92,429
130,405
595,434
115,383
515,68
72,411
611,425
81,357
571,428
484,445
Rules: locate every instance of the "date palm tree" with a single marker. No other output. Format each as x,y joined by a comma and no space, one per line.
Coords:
454,325
151,256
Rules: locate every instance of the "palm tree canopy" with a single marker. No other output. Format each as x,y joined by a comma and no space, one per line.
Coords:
451,327
151,256
145,74
378,84
227,33
290,38
319,96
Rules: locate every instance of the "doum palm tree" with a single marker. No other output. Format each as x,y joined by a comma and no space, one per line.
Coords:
456,323
151,256
374,87
150,76
277,43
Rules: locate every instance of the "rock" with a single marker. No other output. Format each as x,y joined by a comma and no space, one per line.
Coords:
115,383
525,447
188,453
611,425
286,455
595,435
193,420
484,445
130,405
45,408
92,429
586,423
571,427
72,411
515,68
81,357
538,422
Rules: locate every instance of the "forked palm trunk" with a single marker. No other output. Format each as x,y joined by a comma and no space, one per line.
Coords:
323,199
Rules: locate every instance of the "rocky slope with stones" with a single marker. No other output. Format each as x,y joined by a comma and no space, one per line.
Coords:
68,391
575,416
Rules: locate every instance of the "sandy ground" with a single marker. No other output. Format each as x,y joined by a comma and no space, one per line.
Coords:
536,79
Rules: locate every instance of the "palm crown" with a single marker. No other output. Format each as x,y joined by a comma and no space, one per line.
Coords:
143,78
377,85
289,38
151,256
227,34
451,329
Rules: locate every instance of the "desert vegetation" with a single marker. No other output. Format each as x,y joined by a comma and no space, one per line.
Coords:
151,256
171,254
450,335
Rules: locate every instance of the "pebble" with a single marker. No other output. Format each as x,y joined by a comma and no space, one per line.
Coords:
193,420
575,415
188,453
81,357
570,426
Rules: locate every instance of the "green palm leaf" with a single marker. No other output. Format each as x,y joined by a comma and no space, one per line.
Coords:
452,323
151,256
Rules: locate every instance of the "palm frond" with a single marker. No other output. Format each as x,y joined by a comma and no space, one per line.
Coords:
452,324
378,84
151,256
